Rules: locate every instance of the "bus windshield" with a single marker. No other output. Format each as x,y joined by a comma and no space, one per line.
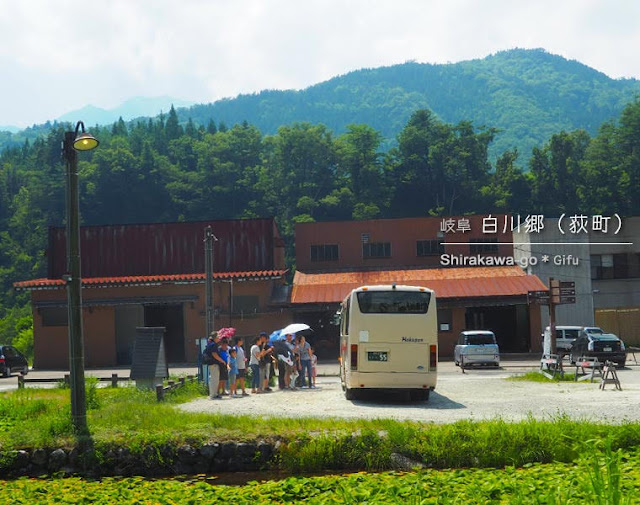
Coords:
394,302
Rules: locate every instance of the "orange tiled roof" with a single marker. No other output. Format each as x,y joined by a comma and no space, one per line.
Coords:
474,282
141,280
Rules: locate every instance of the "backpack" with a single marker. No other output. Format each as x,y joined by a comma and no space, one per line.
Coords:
207,358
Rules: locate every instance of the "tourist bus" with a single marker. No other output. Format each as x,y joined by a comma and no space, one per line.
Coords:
389,340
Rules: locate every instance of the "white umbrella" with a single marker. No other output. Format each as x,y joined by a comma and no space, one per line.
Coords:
294,328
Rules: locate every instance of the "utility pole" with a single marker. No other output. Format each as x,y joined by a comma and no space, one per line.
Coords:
209,238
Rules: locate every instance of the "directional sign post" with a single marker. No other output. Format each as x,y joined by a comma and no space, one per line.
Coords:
559,293
563,292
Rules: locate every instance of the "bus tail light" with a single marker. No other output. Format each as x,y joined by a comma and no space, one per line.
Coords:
433,357
354,356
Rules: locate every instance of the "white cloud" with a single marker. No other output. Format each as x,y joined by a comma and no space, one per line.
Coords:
59,56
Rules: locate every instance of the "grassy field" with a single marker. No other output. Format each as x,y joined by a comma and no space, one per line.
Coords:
39,418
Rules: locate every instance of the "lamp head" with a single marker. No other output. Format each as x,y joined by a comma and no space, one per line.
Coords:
85,142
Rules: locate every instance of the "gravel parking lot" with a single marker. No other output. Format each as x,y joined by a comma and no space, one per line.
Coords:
477,394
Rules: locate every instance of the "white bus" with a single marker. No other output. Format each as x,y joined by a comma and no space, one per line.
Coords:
389,340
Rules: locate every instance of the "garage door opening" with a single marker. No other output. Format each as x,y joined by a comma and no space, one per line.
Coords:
172,318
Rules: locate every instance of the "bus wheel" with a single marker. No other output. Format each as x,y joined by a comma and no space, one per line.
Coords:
351,394
419,395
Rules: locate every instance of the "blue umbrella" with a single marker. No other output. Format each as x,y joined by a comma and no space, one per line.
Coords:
276,335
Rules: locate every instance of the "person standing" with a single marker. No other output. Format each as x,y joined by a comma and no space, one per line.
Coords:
214,369
314,366
254,363
224,366
242,364
233,372
265,362
305,361
290,366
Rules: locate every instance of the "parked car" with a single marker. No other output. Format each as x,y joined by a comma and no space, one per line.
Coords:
565,335
592,330
476,347
604,346
12,360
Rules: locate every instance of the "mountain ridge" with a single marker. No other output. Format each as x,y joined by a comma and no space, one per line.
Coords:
526,94
130,109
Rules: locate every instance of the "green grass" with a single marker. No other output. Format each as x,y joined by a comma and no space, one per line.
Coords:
39,418
536,376
611,478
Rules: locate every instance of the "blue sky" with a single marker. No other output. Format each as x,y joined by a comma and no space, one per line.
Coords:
60,56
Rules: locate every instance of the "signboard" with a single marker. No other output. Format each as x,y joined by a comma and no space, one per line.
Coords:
539,297
563,292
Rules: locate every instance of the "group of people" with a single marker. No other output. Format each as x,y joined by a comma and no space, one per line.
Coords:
293,359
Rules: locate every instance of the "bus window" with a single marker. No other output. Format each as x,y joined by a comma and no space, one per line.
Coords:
345,328
393,302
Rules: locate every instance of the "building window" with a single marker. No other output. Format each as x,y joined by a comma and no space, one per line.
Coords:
429,247
54,316
602,266
246,304
445,320
483,245
376,250
324,252
615,266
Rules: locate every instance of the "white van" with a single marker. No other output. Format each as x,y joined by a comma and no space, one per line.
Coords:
565,335
476,347
389,340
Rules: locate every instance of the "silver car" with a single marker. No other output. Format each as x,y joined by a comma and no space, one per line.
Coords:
476,347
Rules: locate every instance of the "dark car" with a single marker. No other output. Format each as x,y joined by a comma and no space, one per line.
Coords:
12,360
604,346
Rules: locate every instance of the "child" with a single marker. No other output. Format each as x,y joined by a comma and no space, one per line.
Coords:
242,364
314,362
233,372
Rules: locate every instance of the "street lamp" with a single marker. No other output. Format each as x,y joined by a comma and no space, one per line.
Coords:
71,144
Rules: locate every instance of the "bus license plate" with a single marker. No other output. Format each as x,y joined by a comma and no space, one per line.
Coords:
377,356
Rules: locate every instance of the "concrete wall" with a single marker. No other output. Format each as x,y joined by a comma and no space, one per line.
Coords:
561,265
618,293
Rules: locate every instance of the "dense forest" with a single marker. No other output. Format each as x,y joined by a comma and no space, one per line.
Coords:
164,170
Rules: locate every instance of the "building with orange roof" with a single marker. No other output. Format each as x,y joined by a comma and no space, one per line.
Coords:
154,275
467,260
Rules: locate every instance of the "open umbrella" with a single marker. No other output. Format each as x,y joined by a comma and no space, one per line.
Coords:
276,335
226,332
294,328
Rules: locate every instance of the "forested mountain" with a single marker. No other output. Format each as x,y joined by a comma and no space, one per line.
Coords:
526,94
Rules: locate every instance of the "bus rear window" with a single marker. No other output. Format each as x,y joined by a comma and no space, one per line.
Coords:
394,302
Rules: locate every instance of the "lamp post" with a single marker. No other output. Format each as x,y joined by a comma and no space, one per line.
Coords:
71,144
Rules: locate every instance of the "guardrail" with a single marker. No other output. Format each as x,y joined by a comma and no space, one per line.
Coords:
114,379
161,389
